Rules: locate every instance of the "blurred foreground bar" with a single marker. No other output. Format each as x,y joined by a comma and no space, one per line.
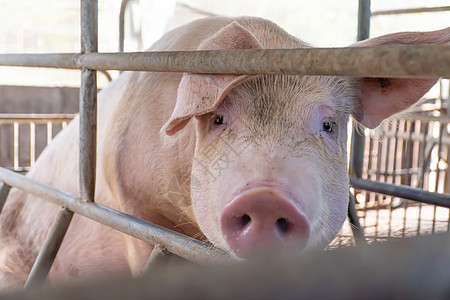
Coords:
416,268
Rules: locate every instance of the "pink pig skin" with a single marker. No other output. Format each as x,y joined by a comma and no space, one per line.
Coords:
244,162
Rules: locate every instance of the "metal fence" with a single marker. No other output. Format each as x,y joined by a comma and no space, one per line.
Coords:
20,134
410,151
429,61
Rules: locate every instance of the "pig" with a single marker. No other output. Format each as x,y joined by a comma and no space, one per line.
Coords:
242,162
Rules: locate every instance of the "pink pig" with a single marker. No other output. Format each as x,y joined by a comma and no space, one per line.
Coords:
244,162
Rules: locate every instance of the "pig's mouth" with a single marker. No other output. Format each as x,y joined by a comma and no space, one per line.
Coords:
263,217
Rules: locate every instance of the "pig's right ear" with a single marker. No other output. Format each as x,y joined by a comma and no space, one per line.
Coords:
199,94
380,98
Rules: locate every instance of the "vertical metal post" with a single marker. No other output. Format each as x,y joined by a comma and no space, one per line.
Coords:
123,7
48,252
363,19
357,146
358,233
88,140
88,102
159,257
4,191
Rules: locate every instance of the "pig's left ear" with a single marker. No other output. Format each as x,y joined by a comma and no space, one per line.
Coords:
382,97
199,94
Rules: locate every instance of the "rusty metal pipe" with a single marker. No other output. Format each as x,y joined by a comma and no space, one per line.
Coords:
48,252
174,242
421,61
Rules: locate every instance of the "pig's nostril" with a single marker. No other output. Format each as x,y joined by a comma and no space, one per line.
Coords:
245,219
283,225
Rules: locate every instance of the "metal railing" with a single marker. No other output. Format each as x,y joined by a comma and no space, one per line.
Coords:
429,61
374,172
32,121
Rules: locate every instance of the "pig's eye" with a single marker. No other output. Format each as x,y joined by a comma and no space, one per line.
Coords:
220,119
328,126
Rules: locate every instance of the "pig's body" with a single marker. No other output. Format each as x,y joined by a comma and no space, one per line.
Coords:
152,177
89,247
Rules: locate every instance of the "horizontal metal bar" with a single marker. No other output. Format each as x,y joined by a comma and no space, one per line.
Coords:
381,61
415,137
57,60
410,11
37,117
174,242
402,191
423,118
48,252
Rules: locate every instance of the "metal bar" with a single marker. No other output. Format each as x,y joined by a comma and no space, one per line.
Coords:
357,230
50,60
410,11
123,7
88,102
421,61
159,257
402,191
4,191
49,132
417,137
176,243
414,117
18,118
16,145
48,252
358,139
364,15
357,146
32,143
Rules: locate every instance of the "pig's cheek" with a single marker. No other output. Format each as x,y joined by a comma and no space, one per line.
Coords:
203,202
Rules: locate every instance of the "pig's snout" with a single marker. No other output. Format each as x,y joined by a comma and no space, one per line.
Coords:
262,219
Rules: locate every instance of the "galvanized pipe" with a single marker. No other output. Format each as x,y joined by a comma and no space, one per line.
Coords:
4,191
357,138
357,230
416,137
48,252
421,61
19,118
357,146
174,242
53,60
88,101
411,10
123,7
158,258
364,14
402,191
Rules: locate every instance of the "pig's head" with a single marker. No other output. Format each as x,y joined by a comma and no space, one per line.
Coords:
270,162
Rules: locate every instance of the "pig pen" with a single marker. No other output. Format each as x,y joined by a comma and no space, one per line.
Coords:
411,151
